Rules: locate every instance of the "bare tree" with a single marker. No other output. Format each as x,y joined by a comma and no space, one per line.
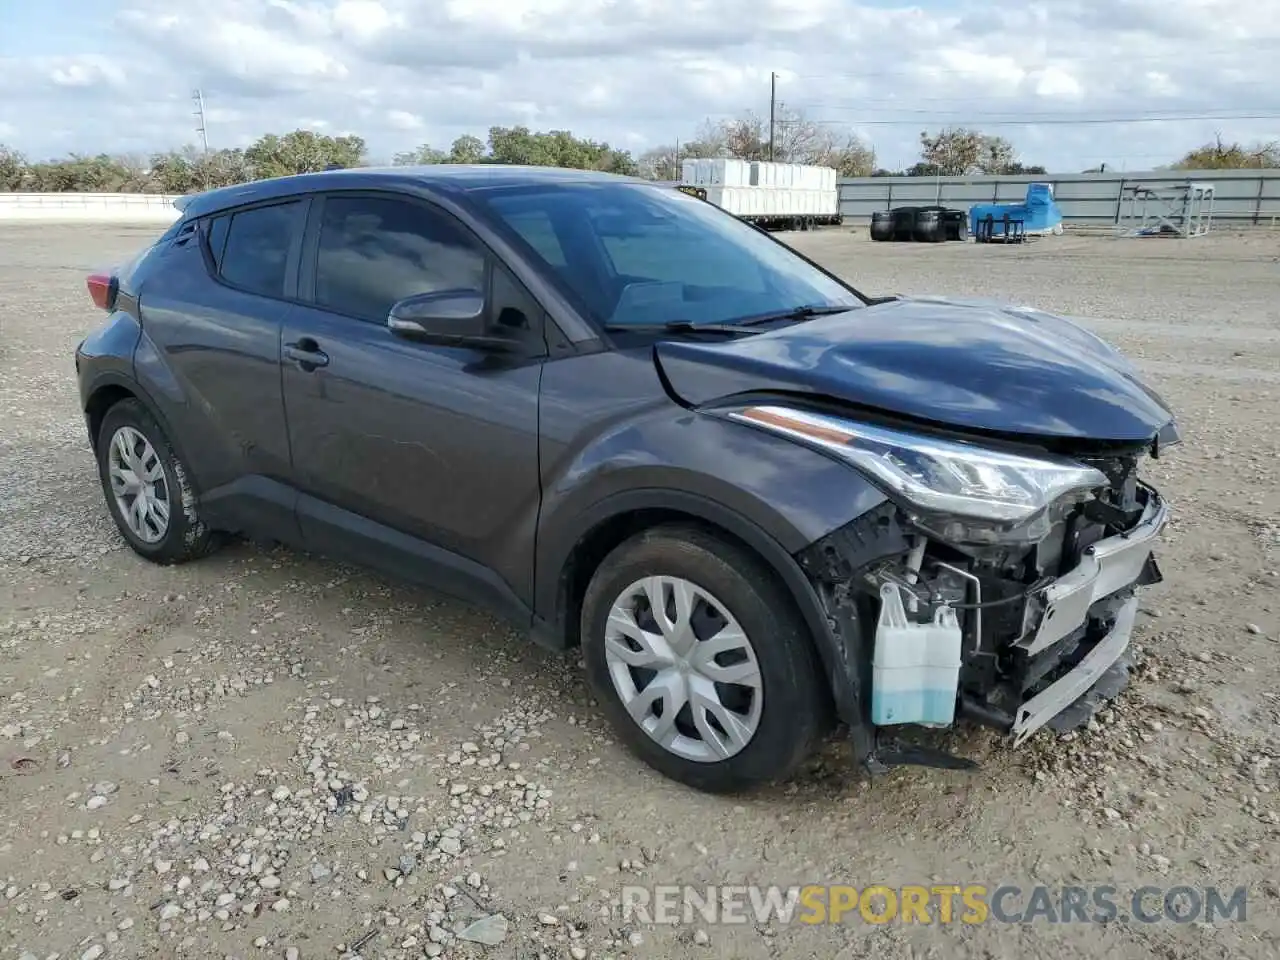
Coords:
796,139
1230,156
709,141
660,163
136,173
959,151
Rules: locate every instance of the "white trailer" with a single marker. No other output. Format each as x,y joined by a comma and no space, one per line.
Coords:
777,195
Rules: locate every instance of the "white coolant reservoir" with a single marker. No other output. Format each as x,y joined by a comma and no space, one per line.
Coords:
915,669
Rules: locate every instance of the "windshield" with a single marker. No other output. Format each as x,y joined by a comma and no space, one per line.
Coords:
635,255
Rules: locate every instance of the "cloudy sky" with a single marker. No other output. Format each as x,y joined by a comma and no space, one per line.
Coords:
117,75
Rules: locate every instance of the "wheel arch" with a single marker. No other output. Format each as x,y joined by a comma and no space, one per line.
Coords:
615,519
110,389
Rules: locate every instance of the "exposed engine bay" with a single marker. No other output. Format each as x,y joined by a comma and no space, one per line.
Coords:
1016,629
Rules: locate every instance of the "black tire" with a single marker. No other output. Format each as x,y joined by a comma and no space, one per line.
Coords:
904,222
795,708
929,227
186,536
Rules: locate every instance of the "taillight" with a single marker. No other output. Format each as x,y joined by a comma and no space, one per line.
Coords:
102,289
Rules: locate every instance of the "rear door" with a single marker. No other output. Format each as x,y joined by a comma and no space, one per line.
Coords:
212,315
412,457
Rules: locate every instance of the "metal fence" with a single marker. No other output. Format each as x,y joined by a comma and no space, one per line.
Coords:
105,207
1086,199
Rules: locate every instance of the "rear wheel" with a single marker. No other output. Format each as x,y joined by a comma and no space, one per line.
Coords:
702,664
147,488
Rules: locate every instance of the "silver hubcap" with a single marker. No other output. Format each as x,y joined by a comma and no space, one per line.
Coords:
684,669
139,484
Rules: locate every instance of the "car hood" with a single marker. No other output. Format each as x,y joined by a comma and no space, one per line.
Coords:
967,364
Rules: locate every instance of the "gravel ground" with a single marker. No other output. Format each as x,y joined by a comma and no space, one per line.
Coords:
267,754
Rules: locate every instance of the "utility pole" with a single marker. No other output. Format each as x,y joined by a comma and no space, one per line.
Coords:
676,163
198,99
773,104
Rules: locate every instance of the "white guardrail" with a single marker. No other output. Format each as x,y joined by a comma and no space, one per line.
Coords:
88,207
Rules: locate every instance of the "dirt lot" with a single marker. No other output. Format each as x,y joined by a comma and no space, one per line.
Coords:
266,754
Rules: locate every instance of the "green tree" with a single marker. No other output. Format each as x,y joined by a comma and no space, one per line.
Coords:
13,168
77,173
467,149
424,154
1230,156
175,171
303,151
190,170
555,148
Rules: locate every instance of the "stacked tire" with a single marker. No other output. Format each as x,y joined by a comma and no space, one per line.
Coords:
930,225
957,223
904,223
882,225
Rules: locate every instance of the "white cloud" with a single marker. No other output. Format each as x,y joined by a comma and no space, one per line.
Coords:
85,72
364,20
1056,82
642,72
404,120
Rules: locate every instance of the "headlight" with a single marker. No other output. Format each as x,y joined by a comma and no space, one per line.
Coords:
938,476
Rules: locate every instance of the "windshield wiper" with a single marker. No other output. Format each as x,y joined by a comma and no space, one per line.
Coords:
681,326
806,312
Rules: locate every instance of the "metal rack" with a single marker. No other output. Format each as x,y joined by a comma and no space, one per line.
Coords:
1177,210
1014,230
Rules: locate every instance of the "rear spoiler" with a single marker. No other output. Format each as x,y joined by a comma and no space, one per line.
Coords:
699,192
181,203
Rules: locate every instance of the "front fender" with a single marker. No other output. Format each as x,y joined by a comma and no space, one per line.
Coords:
772,493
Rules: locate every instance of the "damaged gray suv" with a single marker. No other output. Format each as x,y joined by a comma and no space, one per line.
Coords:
760,501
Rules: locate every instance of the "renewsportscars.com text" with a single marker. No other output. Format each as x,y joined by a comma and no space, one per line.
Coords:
930,904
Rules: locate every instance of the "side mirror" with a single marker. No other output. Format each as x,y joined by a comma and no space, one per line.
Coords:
449,318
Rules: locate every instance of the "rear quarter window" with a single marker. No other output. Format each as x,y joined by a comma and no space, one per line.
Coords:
255,251
216,238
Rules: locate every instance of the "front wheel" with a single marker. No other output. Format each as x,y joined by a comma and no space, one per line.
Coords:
703,665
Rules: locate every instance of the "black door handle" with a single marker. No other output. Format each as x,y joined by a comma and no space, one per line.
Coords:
307,354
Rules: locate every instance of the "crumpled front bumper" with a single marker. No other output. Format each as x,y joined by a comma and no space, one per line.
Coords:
1107,567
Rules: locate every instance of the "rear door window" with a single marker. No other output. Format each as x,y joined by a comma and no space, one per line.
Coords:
255,255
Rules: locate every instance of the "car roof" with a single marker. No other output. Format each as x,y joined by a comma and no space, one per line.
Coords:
445,178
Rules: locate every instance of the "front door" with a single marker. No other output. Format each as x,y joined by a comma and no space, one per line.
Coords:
419,459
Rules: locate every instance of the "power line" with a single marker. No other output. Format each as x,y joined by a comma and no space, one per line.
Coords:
859,102
1045,121
1017,114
